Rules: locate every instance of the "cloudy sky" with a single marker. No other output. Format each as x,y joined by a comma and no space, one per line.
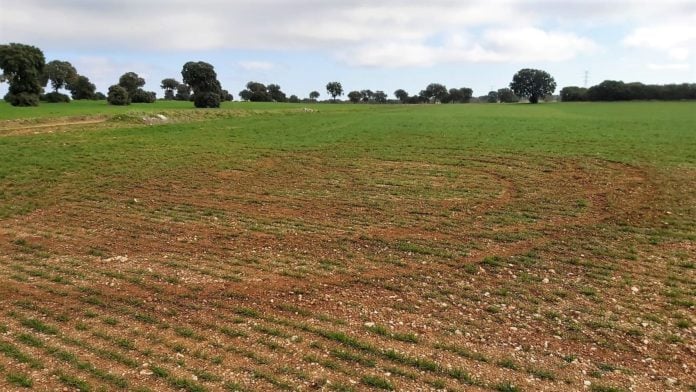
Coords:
380,45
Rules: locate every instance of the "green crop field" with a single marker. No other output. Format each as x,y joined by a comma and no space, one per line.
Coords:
348,247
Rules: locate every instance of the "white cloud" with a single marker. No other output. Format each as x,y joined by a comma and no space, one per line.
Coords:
495,45
359,32
105,71
177,25
669,67
676,39
256,65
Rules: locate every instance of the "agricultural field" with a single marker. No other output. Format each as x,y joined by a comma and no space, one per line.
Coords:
264,247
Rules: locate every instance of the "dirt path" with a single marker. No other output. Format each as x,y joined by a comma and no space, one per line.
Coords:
23,129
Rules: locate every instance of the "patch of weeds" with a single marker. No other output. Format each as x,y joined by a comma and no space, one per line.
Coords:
145,318
98,252
247,312
508,363
493,309
125,343
463,352
341,387
231,386
588,291
273,346
461,375
272,379
384,331
542,374
407,337
159,372
20,380
419,363
351,357
187,385
683,323
687,264
205,376
493,261
507,387
605,367
110,321
438,384
379,330
185,332
178,347
74,382
39,326
595,374
347,340
470,268
401,372
30,340
271,331
323,362
233,333
673,339
552,315
377,382
604,388
13,352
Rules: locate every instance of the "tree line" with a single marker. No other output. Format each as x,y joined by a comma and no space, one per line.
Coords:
614,90
25,69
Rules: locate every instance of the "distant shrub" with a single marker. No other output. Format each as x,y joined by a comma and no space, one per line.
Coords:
573,93
226,96
118,96
206,100
142,96
183,93
22,99
55,97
